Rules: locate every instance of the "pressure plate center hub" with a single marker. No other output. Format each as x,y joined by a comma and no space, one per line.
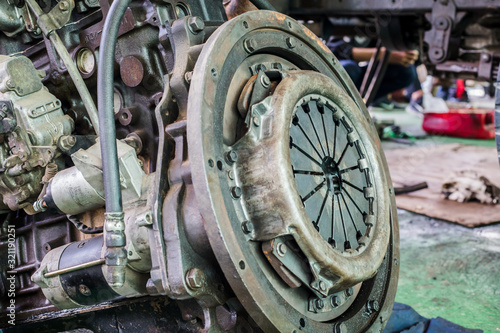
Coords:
333,175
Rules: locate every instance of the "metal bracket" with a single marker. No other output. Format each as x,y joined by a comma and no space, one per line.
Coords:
443,18
57,18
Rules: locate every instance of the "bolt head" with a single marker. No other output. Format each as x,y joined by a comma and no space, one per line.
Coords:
265,81
486,57
195,278
64,6
84,290
247,227
322,286
236,192
67,142
349,292
335,301
188,77
250,45
196,24
372,307
256,121
231,157
281,249
291,42
319,304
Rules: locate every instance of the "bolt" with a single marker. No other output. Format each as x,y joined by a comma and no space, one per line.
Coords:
10,85
348,292
67,142
319,304
335,301
290,42
281,249
256,121
230,174
485,57
84,290
247,227
196,24
231,157
63,5
188,77
322,285
236,192
442,23
195,278
265,81
249,45
372,307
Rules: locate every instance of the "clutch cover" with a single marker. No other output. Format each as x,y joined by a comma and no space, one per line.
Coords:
291,180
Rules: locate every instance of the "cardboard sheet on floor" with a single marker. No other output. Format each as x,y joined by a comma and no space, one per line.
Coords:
433,164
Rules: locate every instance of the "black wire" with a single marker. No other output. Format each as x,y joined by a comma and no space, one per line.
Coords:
83,227
263,4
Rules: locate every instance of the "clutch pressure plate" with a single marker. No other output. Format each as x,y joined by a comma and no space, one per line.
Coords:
291,180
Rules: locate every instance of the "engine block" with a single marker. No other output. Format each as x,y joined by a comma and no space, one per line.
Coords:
231,170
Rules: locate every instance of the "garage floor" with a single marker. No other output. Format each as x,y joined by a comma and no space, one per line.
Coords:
447,270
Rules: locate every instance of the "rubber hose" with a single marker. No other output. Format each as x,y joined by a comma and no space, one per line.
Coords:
105,102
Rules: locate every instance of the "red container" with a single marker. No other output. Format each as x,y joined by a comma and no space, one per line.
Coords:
462,123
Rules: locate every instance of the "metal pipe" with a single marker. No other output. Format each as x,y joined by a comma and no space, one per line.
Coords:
263,4
74,268
80,85
116,255
70,66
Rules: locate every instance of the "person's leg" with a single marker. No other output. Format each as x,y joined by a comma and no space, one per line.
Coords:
355,72
396,77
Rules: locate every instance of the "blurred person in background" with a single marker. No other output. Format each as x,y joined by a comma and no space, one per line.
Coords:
400,74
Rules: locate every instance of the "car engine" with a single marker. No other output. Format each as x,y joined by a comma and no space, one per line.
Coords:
166,169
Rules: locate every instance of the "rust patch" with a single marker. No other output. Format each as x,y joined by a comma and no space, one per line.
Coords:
131,71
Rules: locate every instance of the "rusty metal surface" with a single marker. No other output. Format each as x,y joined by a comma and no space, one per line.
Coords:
188,95
227,225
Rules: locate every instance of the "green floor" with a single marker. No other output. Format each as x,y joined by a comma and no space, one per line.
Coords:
447,270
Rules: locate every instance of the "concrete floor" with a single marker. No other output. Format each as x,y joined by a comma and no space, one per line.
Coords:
447,270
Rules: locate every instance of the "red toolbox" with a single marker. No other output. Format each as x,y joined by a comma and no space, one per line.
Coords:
462,123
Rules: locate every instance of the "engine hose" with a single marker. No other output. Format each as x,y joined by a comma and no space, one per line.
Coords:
263,4
116,255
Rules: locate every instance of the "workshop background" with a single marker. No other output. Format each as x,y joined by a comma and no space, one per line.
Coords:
450,250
